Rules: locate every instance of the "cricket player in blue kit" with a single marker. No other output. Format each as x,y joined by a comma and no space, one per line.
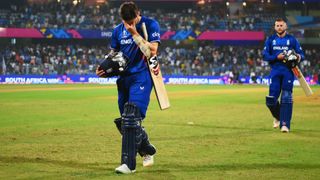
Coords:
276,50
134,84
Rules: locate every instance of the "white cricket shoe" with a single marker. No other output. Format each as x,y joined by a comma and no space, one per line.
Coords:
147,160
276,123
284,129
124,169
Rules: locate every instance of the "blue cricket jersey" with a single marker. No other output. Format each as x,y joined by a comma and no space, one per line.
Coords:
122,41
275,45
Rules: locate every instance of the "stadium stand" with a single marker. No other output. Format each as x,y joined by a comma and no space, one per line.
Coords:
67,15
196,58
200,60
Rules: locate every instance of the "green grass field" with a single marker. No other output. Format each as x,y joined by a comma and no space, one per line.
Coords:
210,132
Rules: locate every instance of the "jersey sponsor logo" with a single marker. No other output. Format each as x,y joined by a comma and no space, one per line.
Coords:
280,48
126,41
155,34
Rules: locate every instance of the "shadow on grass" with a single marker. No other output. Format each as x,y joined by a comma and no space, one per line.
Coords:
234,130
206,126
228,131
233,167
70,164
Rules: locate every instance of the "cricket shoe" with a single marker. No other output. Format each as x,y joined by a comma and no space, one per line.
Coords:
124,169
284,129
276,123
147,160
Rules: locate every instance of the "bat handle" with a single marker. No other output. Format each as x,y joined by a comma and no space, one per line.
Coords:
296,72
144,29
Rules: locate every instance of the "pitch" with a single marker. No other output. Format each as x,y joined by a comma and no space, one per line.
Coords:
210,132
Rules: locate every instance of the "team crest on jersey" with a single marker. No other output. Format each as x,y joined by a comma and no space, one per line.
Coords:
124,34
288,42
124,38
274,42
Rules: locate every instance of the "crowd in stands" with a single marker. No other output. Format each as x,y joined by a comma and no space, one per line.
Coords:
51,59
175,60
224,60
219,17
213,16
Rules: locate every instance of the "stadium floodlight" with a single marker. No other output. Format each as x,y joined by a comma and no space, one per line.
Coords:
201,2
244,4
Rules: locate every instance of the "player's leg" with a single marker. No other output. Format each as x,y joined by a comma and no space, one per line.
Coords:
118,122
123,96
122,99
286,101
131,137
272,99
147,148
140,90
140,94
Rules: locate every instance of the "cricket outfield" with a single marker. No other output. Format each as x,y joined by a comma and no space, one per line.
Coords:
209,132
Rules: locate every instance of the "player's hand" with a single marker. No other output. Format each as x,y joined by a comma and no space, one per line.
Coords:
100,72
299,58
154,65
291,58
281,56
131,27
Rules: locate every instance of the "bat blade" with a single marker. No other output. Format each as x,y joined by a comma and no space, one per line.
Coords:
159,87
303,83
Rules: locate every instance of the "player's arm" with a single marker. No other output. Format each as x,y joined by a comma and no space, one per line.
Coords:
267,56
149,49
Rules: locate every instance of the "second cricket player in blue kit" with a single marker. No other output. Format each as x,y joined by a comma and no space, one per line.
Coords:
277,48
134,83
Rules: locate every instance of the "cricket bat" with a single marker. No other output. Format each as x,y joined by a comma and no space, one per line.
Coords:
160,89
303,83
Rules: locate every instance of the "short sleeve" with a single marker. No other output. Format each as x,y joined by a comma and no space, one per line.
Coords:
154,32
